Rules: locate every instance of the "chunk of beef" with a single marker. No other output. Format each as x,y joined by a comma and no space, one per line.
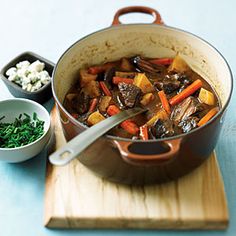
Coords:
77,102
172,82
108,76
146,66
81,103
184,80
100,76
188,124
185,109
117,99
163,128
129,93
169,84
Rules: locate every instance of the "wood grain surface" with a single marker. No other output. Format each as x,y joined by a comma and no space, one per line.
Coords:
76,198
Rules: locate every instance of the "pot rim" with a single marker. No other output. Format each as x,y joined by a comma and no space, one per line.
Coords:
179,136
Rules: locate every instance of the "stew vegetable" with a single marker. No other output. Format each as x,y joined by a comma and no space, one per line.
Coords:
178,99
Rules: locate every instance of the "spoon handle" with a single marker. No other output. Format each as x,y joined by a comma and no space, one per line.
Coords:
75,146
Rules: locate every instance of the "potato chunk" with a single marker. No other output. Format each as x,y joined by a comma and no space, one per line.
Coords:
178,65
141,81
104,103
206,97
85,77
126,65
125,74
147,98
92,89
71,96
162,115
95,118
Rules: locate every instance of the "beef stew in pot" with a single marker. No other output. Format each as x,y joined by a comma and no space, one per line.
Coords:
178,99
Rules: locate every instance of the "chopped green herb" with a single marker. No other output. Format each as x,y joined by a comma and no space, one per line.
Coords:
34,116
21,132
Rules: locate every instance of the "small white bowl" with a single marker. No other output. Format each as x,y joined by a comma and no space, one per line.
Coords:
11,109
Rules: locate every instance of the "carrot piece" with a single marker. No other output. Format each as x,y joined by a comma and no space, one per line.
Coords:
164,101
208,116
75,115
162,61
117,80
112,110
104,88
127,125
130,127
94,70
93,104
143,132
192,88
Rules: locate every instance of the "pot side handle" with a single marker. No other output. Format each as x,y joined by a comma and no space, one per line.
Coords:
172,149
147,10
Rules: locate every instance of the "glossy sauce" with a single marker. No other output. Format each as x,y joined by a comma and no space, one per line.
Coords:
153,107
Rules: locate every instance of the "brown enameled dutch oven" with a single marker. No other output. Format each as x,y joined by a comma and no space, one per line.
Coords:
135,161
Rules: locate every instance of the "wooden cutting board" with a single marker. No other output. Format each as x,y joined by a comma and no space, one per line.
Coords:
76,198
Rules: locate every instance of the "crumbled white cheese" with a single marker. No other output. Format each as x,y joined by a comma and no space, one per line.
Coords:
13,77
25,80
31,77
37,85
24,86
22,72
22,64
36,66
18,81
45,78
34,76
12,71
29,87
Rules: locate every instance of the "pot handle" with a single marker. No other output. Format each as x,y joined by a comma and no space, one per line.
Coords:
147,10
142,159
